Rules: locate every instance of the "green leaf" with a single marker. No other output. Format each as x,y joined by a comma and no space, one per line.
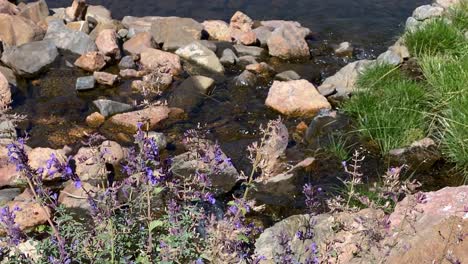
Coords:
243,238
155,223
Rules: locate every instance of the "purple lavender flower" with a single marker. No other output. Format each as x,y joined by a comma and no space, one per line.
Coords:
7,220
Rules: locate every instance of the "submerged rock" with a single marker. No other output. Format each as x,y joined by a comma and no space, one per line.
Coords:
202,56
344,49
191,92
176,32
153,59
91,61
245,79
106,78
30,59
419,156
66,39
109,107
296,98
260,68
18,30
85,83
287,76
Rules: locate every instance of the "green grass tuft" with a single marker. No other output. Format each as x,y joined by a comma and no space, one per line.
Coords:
459,16
390,108
436,37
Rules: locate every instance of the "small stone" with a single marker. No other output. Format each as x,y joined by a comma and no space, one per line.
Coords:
106,78
249,51
77,198
91,61
248,38
287,76
159,138
344,49
228,57
131,73
301,128
260,68
127,122
245,79
95,120
85,83
109,107
122,33
202,56
412,24
390,57
127,62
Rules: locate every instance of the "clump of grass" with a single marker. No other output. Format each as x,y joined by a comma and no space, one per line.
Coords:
437,36
338,146
390,108
459,15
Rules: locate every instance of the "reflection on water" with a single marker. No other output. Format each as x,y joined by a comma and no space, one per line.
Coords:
364,22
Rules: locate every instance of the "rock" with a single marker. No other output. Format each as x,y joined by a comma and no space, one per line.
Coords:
228,57
247,38
322,126
95,120
127,62
109,107
249,51
30,215
7,195
5,92
85,83
412,24
344,49
176,32
245,79
91,61
419,156
427,11
81,26
240,21
8,8
114,25
113,152
131,73
341,85
209,44
296,98
18,30
106,78
287,42
123,33
8,174
139,24
400,49
9,75
287,76
38,158
138,43
153,59
186,164
191,92
390,57
30,59
159,139
91,163
447,3
276,24
260,68
127,122
218,30
263,34
35,11
246,60
202,56
77,10
77,198
7,130
106,43
98,13
66,39
157,81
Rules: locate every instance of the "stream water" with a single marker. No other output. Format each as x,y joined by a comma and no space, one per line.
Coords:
231,115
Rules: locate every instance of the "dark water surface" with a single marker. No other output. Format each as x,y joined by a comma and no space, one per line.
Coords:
367,23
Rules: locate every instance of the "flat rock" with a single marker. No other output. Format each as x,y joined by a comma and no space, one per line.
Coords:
109,107
202,56
91,61
18,30
287,42
31,58
138,43
66,39
7,195
296,98
127,122
249,50
191,92
176,32
85,83
38,158
287,76
106,78
153,59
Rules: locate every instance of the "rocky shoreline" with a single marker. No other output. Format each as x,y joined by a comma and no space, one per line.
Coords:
174,64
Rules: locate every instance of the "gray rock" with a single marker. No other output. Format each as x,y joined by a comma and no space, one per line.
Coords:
412,24
36,11
159,138
249,50
202,56
175,32
245,79
324,124
419,156
98,13
263,34
123,33
66,39
31,58
7,130
344,49
246,60
228,57
85,83
390,57
287,76
427,11
209,44
191,92
7,195
109,107
127,62
9,75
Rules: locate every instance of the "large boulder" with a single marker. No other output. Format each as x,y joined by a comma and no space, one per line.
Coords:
288,42
107,43
91,61
5,92
217,29
202,56
153,59
29,215
176,32
191,92
70,40
38,158
35,11
127,122
296,98
31,58
18,30
138,43
341,85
